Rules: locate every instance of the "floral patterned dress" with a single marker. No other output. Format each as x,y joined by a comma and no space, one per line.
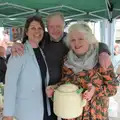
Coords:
105,85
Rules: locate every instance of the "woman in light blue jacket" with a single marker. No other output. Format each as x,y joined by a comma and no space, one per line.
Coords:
27,77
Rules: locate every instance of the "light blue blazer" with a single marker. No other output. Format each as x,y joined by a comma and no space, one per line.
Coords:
23,89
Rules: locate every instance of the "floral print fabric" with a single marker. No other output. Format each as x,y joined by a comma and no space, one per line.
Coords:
105,85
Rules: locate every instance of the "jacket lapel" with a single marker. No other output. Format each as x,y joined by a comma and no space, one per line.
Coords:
47,72
31,52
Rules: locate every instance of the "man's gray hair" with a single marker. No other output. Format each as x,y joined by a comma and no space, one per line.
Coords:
85,29
53,15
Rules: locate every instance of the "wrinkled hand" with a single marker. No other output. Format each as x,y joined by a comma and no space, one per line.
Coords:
49,91
8,118
104,60
88,94
17,49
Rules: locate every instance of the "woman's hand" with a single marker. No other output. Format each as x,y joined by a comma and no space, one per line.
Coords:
7,118
88,94
104,60
49,91
17,49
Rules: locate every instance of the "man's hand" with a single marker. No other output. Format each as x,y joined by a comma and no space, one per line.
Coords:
17,49
49,91
104,60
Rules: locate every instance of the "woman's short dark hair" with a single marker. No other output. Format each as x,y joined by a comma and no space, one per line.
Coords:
27,24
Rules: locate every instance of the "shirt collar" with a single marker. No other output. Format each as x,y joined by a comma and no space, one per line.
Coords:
52,39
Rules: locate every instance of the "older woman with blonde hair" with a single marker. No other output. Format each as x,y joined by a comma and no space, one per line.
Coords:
81,67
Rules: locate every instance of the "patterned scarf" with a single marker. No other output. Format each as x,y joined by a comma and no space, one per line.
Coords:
83,62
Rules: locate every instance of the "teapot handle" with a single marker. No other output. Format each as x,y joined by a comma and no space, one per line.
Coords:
79,91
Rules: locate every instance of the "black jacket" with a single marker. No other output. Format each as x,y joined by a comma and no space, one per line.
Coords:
103,48
3,68
54,53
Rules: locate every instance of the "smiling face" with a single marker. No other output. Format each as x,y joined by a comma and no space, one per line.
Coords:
35,32
55,27
78,43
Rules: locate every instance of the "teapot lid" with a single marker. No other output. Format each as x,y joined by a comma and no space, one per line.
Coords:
67,88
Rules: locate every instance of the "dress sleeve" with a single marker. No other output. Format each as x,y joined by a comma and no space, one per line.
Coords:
103,48
105,82
67,76
12,76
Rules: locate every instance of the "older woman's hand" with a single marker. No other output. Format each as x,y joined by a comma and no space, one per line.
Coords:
104,60
88,94
17,49
49,91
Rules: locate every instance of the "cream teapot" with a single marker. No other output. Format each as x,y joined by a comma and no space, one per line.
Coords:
68,102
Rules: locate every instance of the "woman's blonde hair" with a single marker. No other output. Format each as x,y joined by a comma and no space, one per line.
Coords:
85,29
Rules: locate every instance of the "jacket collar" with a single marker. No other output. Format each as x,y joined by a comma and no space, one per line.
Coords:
29,48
